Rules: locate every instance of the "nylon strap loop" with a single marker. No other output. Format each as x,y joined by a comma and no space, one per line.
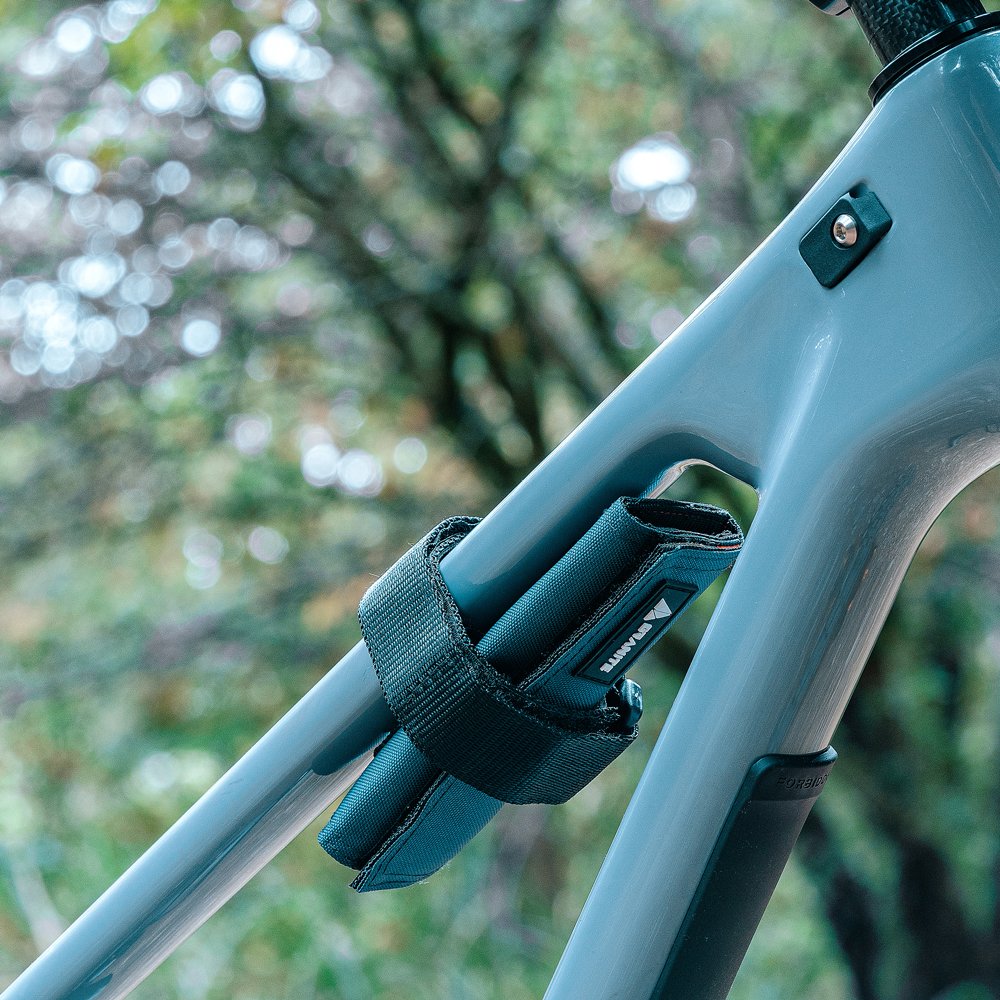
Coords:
466,717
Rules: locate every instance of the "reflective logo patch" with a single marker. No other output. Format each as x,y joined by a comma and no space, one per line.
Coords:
659,610
642,627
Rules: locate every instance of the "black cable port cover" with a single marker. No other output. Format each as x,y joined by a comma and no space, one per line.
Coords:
831,262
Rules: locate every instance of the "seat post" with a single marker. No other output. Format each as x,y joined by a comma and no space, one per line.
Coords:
905,34
891,26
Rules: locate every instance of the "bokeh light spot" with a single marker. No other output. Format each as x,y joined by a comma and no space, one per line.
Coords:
410,455
267,545
172,178
360,473
239,96
203,552
319,463
163,94
200,337
674,203
74,35
651,164
124,217
225,45
302,15
250,433
71,174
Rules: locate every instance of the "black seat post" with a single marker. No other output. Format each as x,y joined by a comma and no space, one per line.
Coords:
907,33
894,25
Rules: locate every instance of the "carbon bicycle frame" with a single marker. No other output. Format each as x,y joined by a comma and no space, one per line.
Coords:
857,413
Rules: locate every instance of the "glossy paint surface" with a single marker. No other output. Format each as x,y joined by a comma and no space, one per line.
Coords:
242,822
857,413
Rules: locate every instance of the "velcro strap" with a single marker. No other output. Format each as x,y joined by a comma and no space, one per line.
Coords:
464,715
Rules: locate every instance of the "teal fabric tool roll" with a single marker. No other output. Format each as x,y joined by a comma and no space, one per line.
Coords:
554,663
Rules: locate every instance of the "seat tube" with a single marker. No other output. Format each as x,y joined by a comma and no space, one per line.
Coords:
774,672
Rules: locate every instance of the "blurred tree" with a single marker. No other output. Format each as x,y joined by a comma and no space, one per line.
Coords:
283,284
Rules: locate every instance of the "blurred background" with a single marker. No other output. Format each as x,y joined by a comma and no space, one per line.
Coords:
284,284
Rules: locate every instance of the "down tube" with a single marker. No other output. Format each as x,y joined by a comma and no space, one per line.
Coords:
310,757
315,751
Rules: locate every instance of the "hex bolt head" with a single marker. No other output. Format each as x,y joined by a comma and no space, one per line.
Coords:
845,230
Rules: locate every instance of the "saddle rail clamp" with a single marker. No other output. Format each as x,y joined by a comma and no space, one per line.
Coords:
858,412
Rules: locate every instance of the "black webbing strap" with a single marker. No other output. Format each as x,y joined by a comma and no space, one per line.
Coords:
466,717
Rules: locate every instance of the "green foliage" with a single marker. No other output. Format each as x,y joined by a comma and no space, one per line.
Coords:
281,285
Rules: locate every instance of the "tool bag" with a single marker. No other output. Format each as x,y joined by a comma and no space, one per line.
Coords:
538,706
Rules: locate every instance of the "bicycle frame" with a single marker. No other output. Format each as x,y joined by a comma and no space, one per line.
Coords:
857,413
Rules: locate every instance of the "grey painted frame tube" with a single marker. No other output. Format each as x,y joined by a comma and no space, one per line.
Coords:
857,412
305,762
